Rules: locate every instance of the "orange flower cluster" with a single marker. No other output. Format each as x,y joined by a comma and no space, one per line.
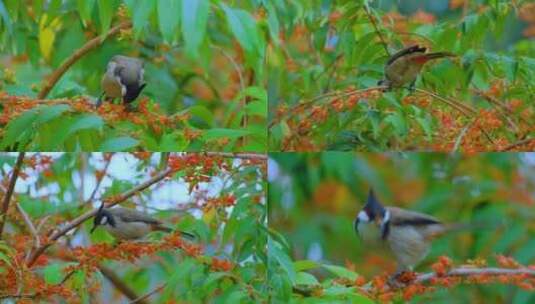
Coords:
226,200
382,289
90,257
221,265
442,266
18,279
298,139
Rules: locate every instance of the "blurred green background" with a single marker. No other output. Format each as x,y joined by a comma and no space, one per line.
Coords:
314,198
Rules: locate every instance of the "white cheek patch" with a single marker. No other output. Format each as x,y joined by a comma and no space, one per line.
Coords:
363,217
104,220
386,219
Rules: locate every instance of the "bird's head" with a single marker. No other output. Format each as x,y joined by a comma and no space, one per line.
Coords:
103,217
373,212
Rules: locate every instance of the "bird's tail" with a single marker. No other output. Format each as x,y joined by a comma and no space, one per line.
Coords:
167,229
474,226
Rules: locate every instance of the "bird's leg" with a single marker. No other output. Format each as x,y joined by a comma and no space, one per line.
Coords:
394,279
99,100
129,107
412,87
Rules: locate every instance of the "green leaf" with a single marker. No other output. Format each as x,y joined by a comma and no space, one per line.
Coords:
18,128
224,133
105,12
52,273
305,265
118,144
279,256
243,26
194,22
84,122
168,12
305,278
142,10
85,9
5,16
341,272
47,113
203,113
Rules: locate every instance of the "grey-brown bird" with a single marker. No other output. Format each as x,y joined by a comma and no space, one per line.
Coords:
406,234
129,224
405,65
123,79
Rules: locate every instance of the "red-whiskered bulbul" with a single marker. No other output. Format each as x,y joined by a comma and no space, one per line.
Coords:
406,234
405,65
129,224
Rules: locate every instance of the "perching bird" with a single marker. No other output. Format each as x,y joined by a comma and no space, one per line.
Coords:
407,234
123,79
129,224
405,65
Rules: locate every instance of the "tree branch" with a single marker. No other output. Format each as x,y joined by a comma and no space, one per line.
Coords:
9,193
30,225
119,284
147,295
237,155
90,45
82,218
518,144
465,272
372,20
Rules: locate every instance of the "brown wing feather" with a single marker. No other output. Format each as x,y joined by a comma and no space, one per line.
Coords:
402,217
131,215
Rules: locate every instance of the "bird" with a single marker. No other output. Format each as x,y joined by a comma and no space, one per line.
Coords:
406,234
129,224
123,79
405,65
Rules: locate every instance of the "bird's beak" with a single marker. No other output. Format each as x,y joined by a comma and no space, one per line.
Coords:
93,229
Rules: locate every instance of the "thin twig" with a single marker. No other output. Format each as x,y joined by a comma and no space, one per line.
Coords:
17,296
82,218
468,272
90,45
30,225
97,186
149,294
372,20
462,134
237,155
454,104
9,193
120,284
233,63
303,105
518,144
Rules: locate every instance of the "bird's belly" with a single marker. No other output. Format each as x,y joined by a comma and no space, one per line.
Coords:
112,87
400,74
129,231
408,246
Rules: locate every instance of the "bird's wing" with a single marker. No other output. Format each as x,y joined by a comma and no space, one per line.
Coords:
131,215
406,51
402,217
